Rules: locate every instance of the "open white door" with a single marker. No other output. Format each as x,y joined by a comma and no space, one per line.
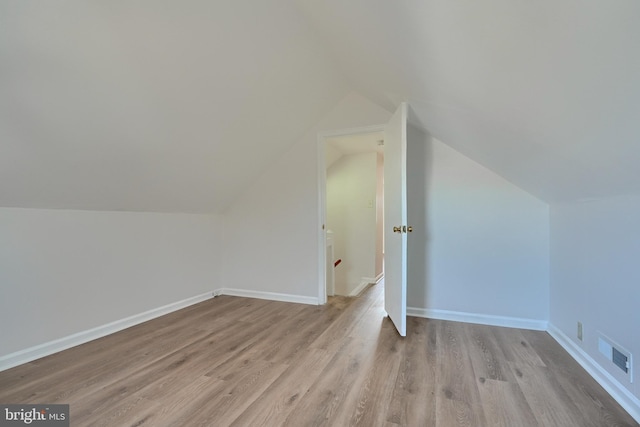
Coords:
395,219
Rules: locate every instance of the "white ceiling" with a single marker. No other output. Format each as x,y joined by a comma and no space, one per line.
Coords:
346,145
358,143
152,105
158,105
545,93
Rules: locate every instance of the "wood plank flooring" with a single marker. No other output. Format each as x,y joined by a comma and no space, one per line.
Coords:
245,362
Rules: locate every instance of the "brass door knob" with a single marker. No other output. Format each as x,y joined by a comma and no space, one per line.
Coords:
397,230
409,229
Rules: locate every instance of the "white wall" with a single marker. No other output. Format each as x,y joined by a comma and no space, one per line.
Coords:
595,277
351,215
480,245
64,272
273,226
332,155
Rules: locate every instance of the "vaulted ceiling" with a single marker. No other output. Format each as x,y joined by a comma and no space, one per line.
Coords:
153,105
159,105
545,93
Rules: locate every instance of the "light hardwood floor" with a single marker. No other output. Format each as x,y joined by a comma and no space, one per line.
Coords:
247,362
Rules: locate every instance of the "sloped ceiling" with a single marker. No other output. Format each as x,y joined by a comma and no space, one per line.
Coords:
340,146
152,105
545,93
158,105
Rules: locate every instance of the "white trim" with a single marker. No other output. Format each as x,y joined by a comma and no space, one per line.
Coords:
482,319
366,281
269,296
379,278
350,131
621,394
322,213
41,350
322,199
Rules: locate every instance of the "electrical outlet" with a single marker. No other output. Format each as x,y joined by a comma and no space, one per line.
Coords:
580,331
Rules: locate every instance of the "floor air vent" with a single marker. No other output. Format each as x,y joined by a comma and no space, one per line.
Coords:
620,360
617,354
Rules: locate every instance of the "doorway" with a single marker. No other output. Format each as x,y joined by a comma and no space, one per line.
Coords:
395,214
352,210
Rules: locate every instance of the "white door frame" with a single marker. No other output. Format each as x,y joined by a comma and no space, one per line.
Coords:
322,199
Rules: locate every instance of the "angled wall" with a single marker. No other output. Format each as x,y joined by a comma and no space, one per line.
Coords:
480,247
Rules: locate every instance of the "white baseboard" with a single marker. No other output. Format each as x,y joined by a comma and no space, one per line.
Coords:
36,352
628,401
482,319
51,347
273,296
366,281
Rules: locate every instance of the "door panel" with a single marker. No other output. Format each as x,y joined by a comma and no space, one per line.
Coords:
395,212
